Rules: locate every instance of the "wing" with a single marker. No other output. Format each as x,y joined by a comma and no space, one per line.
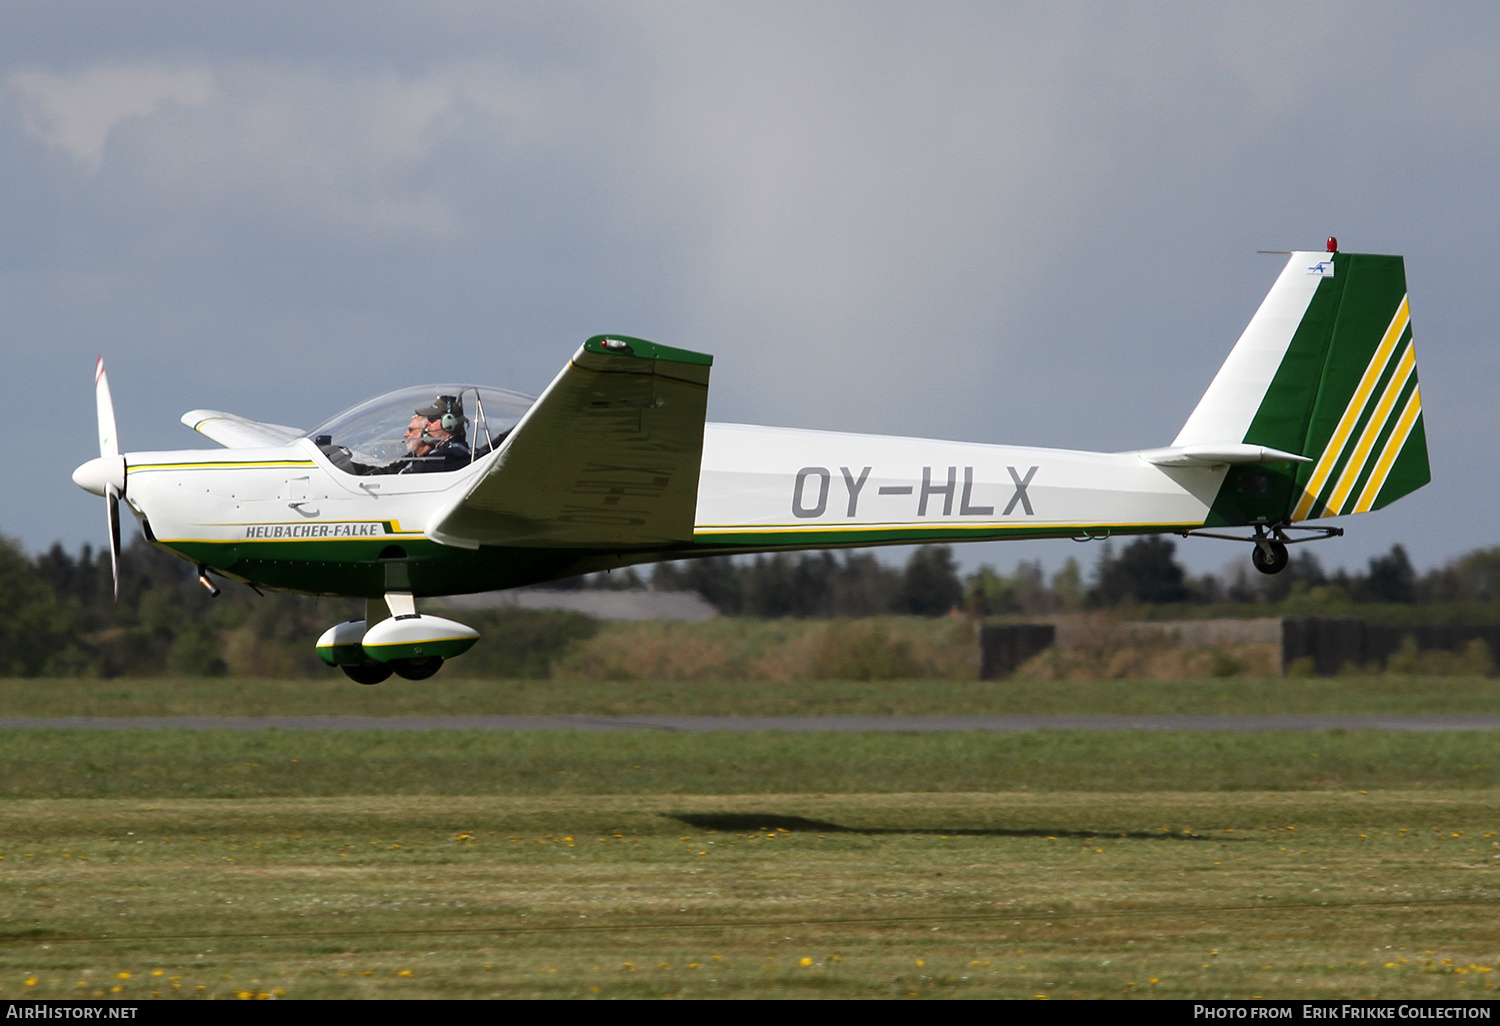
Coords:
238,433
607,458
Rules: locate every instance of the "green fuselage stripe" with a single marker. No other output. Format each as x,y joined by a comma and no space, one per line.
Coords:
782,538
355,567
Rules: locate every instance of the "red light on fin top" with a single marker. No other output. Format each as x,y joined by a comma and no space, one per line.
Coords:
1333,244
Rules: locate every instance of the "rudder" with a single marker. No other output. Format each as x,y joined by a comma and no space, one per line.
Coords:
1328,367
1366,432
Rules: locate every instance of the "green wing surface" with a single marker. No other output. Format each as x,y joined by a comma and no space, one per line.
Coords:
608,457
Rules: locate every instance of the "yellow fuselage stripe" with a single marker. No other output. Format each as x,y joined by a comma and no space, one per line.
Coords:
139,467
936,525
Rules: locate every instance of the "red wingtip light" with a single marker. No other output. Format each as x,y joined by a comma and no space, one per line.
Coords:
1333,244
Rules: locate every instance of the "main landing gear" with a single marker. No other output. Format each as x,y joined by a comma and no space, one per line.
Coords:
373,672
368,673
393,638
1270,554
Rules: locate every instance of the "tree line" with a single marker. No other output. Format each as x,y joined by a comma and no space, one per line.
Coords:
1144,571
58,615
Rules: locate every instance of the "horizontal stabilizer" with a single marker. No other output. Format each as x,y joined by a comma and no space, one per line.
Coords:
237,432
607,458
1209,455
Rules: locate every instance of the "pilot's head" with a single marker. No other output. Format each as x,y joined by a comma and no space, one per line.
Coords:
414,431
442,419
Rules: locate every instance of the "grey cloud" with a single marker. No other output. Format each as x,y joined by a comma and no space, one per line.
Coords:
964,220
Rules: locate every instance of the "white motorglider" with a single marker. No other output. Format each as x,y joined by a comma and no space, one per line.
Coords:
449,489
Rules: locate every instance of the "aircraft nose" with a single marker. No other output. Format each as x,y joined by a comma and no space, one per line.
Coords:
99,473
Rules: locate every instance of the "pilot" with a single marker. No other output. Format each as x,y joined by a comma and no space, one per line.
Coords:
435,438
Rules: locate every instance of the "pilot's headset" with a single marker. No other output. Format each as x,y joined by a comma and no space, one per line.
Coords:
449,421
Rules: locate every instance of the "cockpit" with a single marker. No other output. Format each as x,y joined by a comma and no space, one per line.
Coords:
424,429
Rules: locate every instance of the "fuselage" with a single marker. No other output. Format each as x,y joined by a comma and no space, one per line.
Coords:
288,518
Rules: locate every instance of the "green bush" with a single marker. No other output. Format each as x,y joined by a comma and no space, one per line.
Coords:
1473,660
522,642
864,650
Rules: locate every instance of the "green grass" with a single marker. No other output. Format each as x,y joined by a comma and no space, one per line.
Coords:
270,763
634,864
449,694
1007,894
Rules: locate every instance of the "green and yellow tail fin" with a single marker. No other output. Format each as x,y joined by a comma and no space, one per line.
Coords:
1326,370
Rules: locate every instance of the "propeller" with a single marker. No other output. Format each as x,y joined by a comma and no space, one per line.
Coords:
106,475
109,446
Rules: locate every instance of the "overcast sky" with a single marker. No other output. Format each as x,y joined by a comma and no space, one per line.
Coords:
1029,224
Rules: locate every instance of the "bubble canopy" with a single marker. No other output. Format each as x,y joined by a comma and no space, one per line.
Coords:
372,435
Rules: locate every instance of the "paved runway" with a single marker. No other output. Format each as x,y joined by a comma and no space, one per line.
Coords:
746,724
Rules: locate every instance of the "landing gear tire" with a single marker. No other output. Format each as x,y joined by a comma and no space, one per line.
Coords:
1273,563
367,673
417,669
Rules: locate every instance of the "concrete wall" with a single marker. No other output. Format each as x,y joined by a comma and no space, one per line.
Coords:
1005,647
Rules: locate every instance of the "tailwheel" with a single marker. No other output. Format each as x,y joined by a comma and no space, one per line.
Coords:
367,673
1272,559
416,669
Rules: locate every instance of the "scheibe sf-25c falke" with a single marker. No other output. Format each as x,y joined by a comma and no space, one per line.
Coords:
450,488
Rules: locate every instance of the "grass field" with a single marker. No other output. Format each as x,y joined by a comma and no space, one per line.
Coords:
1166,894
472,864
297,764
447,694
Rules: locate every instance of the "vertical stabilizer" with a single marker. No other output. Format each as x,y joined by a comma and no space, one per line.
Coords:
1326,369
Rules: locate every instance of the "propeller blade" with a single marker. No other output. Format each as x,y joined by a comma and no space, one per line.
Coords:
109,445
112,501
109,441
